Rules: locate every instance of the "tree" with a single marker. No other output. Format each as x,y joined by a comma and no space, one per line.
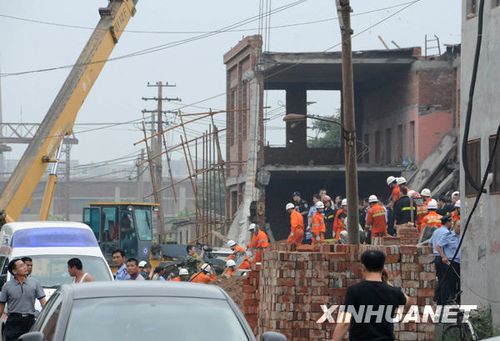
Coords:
328,134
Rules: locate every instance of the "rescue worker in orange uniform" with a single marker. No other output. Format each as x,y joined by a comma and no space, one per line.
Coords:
420,206
205,275
318,227
376,219
258,243
395,192
230,269
426,196
338,225
455,214
432,219
238,253
296,225
183,276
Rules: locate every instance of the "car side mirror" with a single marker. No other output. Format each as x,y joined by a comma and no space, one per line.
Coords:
31,336
273,336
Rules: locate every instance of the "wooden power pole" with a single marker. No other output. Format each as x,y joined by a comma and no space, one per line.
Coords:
351,169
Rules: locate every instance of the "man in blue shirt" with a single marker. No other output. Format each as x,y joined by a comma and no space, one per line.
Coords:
447,246
435,239
118,257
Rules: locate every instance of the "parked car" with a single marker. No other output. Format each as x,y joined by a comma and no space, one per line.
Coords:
131,311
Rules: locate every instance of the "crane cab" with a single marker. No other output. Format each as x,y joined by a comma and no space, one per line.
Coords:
122,225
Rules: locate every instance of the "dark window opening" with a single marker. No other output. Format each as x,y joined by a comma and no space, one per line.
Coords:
474,162
495,168
388,146
378,147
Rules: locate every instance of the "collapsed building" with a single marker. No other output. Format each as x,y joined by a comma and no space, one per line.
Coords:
406,117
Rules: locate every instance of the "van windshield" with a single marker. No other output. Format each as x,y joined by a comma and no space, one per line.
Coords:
52,270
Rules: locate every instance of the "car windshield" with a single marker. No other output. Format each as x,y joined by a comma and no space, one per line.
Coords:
153,318
52,270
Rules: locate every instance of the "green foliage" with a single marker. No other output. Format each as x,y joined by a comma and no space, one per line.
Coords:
328,135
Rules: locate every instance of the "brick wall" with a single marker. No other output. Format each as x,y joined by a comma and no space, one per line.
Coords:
287,293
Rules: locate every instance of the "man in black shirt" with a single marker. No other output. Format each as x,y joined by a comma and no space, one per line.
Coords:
374,292
404,211
301,206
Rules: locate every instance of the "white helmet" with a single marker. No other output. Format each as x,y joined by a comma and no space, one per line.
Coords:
142,263
400,180
252,227
412,193
206,268
344,202
372,198
426,192
230,262
183,272
289,206
455,194
390,180
433,205
319,204
457,204
231,243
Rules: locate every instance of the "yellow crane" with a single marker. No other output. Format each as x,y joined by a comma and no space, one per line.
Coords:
60,119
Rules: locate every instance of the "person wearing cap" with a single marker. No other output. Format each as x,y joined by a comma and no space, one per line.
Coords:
296,225
258,243
301,205
447,247
230,269
455,214
318,227
205,275
455,196
329,214
435,239
144,269
432,219
376,221
239,253
182,276
338,225
421,208
404,211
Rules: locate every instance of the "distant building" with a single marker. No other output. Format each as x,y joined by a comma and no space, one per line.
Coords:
405,105
481,249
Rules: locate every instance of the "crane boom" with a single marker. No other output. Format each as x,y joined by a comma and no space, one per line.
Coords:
61,116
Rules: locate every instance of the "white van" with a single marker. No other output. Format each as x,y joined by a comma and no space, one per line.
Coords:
51,244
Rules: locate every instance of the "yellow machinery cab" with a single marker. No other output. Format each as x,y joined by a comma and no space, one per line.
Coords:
122,225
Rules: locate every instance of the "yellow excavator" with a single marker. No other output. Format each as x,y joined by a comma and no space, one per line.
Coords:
60,119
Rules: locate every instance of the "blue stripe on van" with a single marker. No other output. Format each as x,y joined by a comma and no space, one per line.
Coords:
54,237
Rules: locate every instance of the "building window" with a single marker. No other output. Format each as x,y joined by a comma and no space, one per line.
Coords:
244,109
472,8
495,167
378,147
399,144
231,115
412,144
388,146
474,162
366,155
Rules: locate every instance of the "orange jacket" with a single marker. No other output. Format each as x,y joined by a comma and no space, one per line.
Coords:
432,219
296,222
259,240
318,223
228,273
175,279
376,219
202,277
396,193
239,250
338,225
421,213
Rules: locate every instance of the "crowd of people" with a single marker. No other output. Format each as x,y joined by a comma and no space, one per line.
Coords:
437,222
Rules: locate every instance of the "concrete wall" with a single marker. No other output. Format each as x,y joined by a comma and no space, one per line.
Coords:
481,250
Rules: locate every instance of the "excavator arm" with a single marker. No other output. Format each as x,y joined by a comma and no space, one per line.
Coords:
61,116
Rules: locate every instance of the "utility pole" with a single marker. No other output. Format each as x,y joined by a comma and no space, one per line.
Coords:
351,171
156,146
140,177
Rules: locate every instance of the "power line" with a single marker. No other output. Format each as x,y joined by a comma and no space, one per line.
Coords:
303,23
160,47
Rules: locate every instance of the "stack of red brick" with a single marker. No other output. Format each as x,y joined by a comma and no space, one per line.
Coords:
251,297
294,285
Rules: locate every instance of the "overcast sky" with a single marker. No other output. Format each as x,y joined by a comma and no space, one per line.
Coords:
196,67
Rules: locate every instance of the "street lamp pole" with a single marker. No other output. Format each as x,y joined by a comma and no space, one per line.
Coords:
351,171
